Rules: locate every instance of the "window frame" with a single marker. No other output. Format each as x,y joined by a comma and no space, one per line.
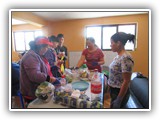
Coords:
24,31
117,29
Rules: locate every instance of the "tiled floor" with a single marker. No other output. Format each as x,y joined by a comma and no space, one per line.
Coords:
107,100
16,102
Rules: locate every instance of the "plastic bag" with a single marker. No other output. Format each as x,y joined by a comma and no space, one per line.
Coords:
45,91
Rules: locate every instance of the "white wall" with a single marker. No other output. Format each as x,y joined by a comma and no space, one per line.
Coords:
75,56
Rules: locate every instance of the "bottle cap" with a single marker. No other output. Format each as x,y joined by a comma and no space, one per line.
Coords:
95,70
63,76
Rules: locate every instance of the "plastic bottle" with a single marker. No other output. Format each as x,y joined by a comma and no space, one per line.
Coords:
96,87
63,80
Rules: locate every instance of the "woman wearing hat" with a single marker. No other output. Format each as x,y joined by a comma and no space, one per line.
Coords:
33,69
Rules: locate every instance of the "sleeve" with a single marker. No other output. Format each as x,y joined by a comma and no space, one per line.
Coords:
66,51
101,53
49,55
126,64
84,52
33,70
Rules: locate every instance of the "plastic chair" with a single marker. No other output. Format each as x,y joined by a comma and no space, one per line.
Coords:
25,100
21,99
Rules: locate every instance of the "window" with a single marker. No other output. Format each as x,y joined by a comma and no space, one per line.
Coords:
95,32
22,39
103,33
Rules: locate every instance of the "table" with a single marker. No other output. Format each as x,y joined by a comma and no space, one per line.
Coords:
37,103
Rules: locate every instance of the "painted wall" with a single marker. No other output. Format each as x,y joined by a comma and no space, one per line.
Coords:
73,31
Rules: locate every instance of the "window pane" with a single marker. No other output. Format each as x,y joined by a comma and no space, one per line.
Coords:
128,29
19,41
95,32
29,36
38,33
107,33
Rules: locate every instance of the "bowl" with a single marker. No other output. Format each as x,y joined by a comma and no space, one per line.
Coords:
80,85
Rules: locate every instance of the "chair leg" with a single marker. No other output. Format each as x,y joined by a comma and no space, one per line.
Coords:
21,99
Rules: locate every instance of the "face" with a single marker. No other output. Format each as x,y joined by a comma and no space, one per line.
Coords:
55,44
61,40
43,50
89,44
114,46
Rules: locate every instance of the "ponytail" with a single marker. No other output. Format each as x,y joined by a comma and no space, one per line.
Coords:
130,37
123,37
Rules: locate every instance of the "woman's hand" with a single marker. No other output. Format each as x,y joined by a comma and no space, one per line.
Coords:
95,63
59,62
116,104
52,79
61,54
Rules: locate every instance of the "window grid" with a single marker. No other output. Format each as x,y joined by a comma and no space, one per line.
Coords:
117,29
25,39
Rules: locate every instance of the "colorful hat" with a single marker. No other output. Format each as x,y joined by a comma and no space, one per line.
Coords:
43,40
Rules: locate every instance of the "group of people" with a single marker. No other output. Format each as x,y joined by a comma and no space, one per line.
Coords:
120,69
41,63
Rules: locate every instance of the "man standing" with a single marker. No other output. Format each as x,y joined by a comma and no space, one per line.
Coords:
61,49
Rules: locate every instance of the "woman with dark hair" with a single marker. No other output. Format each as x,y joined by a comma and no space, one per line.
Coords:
120,70
33,70
51,56
92,56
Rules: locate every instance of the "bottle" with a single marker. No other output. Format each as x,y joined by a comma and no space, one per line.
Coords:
96,87
63,80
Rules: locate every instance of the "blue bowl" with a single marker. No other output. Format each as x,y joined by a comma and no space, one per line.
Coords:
80,85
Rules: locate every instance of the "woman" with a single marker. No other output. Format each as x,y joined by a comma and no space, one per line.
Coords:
33,70
120,70
93,55
51,56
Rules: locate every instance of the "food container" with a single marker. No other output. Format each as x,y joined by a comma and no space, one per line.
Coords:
45,91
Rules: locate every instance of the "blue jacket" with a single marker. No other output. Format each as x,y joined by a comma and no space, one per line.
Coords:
15,78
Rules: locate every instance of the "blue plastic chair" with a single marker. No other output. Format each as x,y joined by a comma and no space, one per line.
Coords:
21,99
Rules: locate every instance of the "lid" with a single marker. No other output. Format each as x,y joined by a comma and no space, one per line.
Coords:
63,76
95,70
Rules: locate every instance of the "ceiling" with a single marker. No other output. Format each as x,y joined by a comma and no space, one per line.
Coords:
70,15
57,16
17,22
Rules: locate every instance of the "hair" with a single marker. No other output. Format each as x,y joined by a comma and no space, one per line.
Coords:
60,35
32,45
123,37
23,53
53,39
91,39
35,47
